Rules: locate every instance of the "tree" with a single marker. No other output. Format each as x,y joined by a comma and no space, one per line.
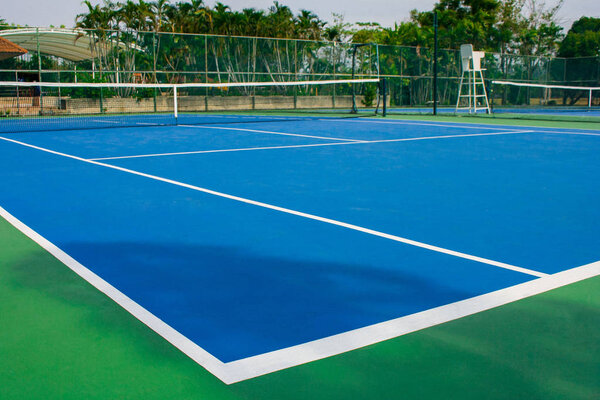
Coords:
582,40
540,34
339,30
309,26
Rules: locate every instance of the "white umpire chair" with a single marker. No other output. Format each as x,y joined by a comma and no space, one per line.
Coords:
473,97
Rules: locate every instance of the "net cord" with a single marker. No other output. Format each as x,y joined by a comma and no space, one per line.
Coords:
590,89
522,84
181,85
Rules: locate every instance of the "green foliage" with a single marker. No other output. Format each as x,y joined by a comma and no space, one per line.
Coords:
369,96
583,39
506,26
526,27
196,17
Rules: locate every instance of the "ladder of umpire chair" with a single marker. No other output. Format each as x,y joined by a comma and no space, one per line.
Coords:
471,67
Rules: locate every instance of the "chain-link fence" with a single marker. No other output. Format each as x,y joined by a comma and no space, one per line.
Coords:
147,57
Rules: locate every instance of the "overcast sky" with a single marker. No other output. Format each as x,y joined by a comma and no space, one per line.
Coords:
385,12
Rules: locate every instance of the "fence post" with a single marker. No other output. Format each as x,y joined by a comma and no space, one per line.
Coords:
384,88
435,61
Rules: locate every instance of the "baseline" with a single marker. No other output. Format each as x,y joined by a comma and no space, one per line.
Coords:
251,367
262,364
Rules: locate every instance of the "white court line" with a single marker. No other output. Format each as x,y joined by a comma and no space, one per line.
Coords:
262,364
458,125
251,367
466,125
104,121
182,153
306,145
571,133
192,350
269,132
292,212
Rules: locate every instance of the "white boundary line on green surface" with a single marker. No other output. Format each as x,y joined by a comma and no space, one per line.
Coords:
262,364
192,350
306,145
252,367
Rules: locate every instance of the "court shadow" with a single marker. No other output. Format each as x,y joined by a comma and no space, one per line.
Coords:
236,303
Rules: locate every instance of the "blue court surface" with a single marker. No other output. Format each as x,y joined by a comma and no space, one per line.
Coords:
249,238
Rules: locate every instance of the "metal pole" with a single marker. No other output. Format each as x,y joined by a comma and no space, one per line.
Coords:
295,89
206,92
37,35
383,87
18,100
39,56
154,68
355,47
354,110
333,62
435,61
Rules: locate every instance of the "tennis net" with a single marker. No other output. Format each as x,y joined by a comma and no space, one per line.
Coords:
40,106
541,101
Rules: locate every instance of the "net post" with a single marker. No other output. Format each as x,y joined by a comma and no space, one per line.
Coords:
435,61
175,103
384,95
154,98
101,102
590,99
491,91
353,110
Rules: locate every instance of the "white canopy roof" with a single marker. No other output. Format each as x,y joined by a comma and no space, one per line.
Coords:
70,44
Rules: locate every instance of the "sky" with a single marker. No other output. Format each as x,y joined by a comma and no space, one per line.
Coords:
386,12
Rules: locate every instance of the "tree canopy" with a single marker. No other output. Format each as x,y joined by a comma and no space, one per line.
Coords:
526,27
583,39
523,27
196,17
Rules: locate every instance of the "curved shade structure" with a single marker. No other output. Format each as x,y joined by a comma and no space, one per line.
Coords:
70,44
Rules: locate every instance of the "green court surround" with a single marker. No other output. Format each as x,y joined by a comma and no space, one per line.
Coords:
62,339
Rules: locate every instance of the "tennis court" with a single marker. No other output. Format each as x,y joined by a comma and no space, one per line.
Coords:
258,246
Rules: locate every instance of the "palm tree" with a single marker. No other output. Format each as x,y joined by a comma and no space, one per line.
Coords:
99,22
159,11
309,26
